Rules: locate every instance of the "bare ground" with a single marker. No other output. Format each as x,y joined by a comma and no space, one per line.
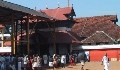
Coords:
114,65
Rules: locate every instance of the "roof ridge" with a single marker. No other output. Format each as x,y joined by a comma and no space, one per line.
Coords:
88,37
95,16
72,36
108,36
99,32
56,8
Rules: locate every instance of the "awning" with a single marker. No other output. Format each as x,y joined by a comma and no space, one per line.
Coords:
13,8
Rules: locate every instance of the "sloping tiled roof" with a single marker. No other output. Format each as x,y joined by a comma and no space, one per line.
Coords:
59,13
96,19
14,7
87,26
98,37
60,37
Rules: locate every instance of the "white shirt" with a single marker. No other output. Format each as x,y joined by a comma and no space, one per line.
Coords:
63,59
105,59
25,60
105,62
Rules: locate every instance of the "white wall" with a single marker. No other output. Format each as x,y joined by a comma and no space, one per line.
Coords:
5,49
8,35
96,47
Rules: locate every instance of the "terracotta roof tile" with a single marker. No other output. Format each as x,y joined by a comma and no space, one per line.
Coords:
96,19
59,13
60,37
98,37
87,26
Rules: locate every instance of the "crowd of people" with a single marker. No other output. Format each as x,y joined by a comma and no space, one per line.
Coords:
35,62
11,62
7,62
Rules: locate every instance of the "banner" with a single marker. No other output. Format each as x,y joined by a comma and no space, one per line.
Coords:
5,49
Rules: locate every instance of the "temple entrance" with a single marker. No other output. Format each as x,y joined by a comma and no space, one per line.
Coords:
62,51
41,50
44,50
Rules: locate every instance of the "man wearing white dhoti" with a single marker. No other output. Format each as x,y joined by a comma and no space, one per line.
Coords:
105,62
87,55
63,61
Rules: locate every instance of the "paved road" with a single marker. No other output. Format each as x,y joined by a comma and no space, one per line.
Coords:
91,66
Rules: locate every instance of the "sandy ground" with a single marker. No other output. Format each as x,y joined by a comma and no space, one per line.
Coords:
114,65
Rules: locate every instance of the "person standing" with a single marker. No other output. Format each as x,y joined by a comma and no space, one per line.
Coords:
39,62
87,56
22,63
55,63
45,59
50,61
105,62
25,62
82,59
19,63
72,61
2,59
35,65
63,61
29,63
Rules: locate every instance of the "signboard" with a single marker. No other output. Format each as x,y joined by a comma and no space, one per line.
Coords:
5,49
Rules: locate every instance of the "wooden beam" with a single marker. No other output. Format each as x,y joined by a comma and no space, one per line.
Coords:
12,39
54,38
28,43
